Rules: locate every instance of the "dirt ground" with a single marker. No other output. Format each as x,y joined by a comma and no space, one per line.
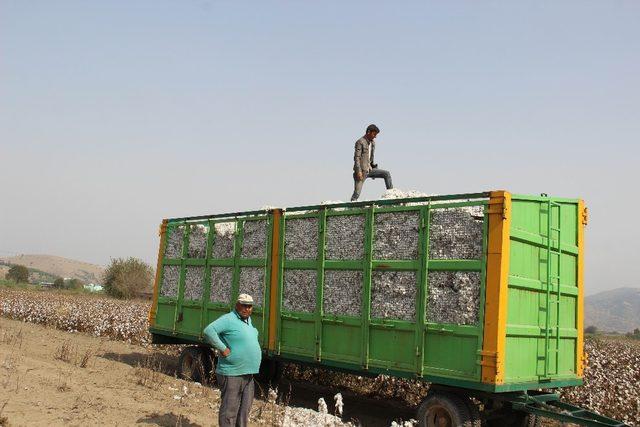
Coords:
51,377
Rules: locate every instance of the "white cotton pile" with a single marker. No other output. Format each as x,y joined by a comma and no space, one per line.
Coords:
197,241
224,239
193,282
396,193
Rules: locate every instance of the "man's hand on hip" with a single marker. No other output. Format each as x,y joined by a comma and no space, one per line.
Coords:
226,352
359,176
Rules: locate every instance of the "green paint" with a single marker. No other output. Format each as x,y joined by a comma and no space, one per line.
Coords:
541,333
543,292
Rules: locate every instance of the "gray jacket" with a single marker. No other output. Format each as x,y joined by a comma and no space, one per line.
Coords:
362,161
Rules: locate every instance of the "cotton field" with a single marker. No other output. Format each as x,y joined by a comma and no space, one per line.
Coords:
98,316
612,376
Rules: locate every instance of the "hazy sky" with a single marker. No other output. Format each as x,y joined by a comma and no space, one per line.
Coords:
114,115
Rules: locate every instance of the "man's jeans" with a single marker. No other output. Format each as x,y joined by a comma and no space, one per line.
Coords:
237,397
373,173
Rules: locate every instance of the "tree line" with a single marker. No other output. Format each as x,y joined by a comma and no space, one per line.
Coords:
123,278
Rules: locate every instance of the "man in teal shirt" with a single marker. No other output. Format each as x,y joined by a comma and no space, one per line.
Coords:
236,340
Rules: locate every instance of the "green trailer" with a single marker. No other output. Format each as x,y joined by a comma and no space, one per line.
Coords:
479,294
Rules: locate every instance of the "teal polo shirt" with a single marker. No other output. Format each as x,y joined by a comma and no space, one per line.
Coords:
230,331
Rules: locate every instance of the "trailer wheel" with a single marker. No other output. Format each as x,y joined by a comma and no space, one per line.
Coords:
209,362
527,420
191,365
445,410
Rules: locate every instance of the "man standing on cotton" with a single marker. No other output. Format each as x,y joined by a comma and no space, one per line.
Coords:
363,162
236,340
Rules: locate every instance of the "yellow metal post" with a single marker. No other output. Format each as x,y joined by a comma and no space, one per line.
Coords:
154,305
275,271
582,221
495,319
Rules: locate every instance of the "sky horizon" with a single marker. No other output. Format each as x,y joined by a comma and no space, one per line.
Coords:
115,115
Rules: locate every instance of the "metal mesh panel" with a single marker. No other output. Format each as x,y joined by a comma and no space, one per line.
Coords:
396,235
173,248
301,238
221,281
342,295
393,295
455,233
345,237
299,290
254,239
225,233
197,241
454,297
193,283
252,283
170,277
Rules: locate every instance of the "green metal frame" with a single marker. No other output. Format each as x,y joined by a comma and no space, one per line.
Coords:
548,405
421,334
206,307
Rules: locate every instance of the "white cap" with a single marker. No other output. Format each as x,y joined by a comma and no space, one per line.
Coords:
245,299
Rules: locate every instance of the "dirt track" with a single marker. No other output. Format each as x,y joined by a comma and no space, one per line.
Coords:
43,383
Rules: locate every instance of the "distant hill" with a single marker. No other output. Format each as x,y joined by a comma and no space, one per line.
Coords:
617,310
59,266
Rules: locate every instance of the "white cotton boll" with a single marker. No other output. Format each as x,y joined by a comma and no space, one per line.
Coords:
322,406
225,228
273,395
396,193
339,403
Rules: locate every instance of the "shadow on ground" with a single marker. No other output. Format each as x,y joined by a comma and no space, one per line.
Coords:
363,410
160,362
168,420
359,409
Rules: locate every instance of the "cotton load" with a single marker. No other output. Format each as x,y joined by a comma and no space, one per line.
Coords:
197,241
221,284
170,276
254,239
173,247
193,283
252,283
223,240
301,238
393,295
454,297
299,291
345,237
453,233
342,294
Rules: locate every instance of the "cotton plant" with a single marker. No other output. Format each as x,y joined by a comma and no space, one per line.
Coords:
339,404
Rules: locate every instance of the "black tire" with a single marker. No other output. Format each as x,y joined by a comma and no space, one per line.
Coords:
528,420
191,364
209,362
476,419
445,410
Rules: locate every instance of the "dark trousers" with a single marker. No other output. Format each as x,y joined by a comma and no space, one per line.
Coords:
237,397
373,173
